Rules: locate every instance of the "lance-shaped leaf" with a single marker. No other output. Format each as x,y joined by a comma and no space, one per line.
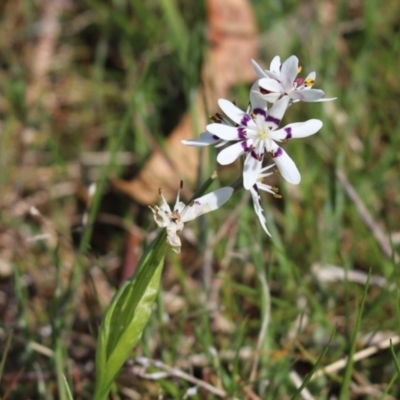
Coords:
127,316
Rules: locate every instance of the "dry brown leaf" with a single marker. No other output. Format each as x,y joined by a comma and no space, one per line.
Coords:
233,42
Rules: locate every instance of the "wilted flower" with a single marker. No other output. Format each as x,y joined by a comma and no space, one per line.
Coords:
173,220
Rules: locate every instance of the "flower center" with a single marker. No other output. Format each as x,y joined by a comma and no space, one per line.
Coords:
263,134
175,216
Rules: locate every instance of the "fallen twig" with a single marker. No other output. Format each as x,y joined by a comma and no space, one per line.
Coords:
360,355
171,371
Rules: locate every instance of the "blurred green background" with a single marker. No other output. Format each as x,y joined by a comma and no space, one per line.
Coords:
88,90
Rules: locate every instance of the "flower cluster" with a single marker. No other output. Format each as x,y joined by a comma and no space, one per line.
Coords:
252,134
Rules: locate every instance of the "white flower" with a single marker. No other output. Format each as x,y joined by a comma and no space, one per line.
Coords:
282,80
173,220
255,194
257,133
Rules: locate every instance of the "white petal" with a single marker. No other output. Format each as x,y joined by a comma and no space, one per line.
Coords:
259,71
265,187
178,204
173,239
205,139
270,97
231,153
222,143
207,203
225,132
307,94
271,85
275,113
298,130
326,99
272,75
275,66
256,99
289,72
162,218
258,209
311,75
267,168
286,166
251,170
233,112
164,205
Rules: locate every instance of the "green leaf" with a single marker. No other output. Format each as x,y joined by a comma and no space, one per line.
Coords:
314,368
345,390
127,316
67,389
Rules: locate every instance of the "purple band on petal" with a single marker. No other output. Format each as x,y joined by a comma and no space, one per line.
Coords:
260,111
246,118
277,153
270,118
258,157
196,202
288,133
241,133
215,137
245,146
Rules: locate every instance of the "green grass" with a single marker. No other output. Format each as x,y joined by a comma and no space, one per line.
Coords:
121,76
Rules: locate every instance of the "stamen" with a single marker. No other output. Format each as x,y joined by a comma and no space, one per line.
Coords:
309,82
277,196
217,118
160,191
299,69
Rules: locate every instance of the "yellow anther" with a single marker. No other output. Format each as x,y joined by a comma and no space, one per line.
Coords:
299,69
309,82
275,189
284,141
277,196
